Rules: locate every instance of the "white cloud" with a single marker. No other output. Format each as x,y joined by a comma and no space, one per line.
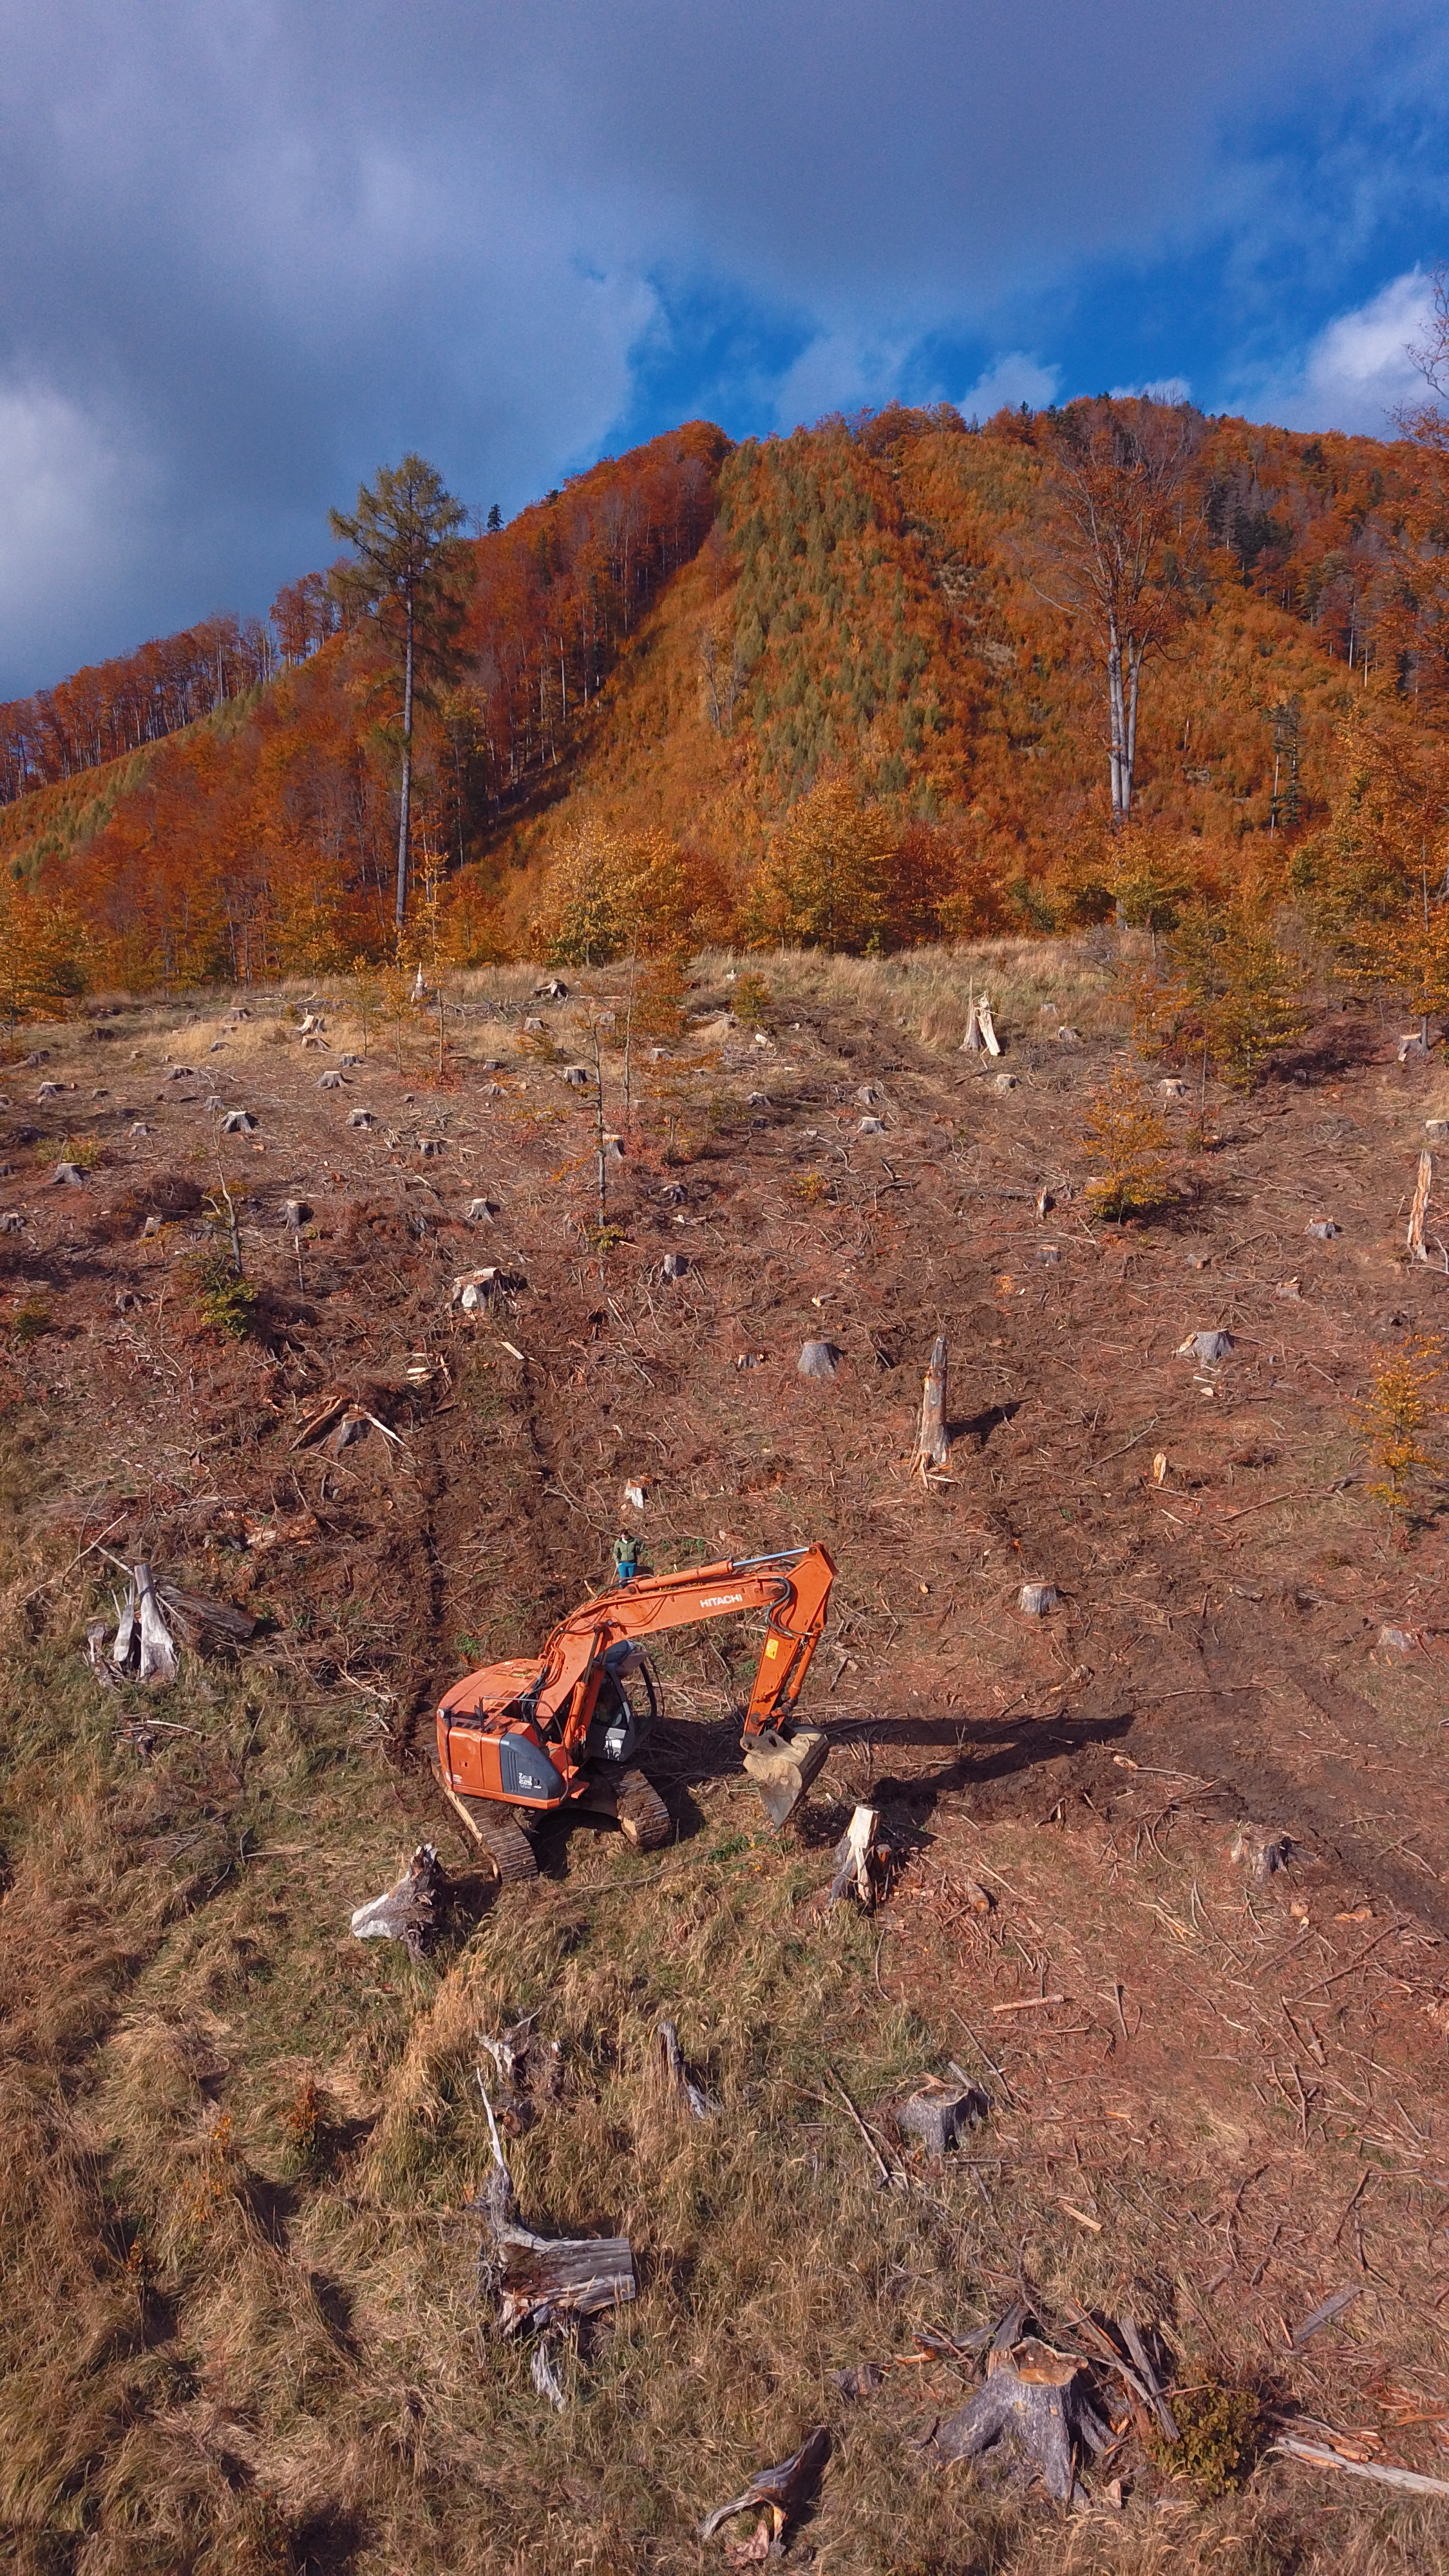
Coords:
70,532
840,371
1358,369
1163,389
1015,378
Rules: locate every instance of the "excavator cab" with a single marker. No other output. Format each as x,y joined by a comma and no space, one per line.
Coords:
626,1706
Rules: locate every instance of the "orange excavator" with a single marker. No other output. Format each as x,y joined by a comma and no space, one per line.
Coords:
521,1739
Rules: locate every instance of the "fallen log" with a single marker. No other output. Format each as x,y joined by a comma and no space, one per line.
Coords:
539,2282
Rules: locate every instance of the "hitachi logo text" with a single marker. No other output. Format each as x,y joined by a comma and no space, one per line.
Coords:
719,1600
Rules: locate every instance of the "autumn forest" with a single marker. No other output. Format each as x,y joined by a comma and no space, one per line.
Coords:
882,681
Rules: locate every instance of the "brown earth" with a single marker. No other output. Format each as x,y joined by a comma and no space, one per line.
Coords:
1232,2105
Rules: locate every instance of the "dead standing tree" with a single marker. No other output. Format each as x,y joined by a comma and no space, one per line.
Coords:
1119,535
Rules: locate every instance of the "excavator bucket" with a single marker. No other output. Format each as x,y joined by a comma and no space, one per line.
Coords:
783,1766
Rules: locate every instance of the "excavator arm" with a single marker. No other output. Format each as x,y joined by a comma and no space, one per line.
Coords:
792,1587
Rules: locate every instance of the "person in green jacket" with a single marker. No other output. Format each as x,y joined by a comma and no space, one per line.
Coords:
626,1557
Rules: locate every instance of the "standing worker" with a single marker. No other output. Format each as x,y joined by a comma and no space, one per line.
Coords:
626,1557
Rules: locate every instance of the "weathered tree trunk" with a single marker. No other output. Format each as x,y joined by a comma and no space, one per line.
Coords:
405,803
1420,1209
933,1445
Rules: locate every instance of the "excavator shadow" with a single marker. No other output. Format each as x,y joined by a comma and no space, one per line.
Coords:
683,1754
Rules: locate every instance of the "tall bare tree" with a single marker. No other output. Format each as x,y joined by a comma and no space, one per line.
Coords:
408,568
1121,530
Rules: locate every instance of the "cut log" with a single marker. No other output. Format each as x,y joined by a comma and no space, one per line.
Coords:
1033,2416
539,2282
780,2492
409,1910
1420,1209
940,2114
933,1446
858,1864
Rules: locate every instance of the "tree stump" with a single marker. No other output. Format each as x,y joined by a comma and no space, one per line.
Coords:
539,2282
142,1632
1038,1600
1035,2411
408,1910
940,2114
1206,1348
1263,1849
857,1863
818,1359
1414,1240
779,2492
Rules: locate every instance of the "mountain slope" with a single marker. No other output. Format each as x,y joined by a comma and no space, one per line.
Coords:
689,641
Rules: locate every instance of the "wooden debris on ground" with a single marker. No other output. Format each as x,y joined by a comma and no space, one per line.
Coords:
1319,2455
542,2284
933,1445
779,2494
673,2081
530,2071
408,1911
859,1865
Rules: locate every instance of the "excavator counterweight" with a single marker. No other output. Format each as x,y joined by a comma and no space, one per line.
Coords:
519,1740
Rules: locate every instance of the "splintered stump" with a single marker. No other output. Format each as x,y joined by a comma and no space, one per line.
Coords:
858,1864
409,1910
1032,2416
933,1446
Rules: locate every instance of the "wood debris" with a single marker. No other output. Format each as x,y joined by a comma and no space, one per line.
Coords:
542,2283
781,2491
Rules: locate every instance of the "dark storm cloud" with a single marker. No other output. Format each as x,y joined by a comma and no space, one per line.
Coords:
247,251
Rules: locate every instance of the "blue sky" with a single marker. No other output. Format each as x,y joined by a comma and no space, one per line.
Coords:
253,250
